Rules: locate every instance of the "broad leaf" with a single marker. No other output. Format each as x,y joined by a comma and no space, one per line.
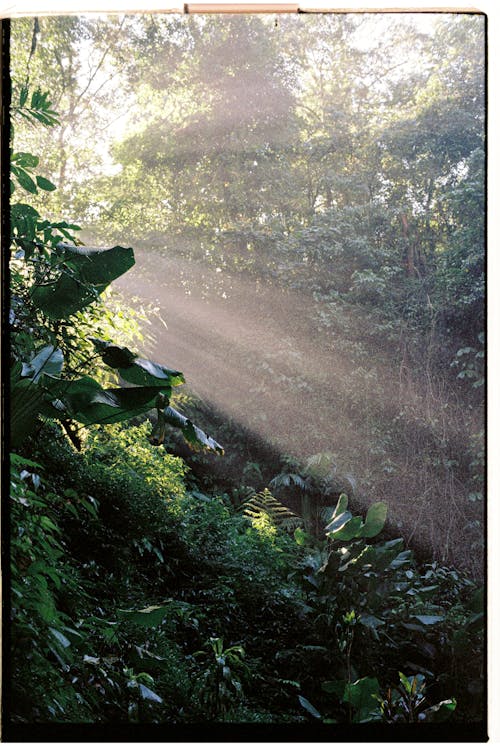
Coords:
134,369
348,531
23,220
362,696
146,373
90,272
147,693
191,432
49,360
99,266
113,355
24,180
89,403
375,520
338,522
151,616
428,619
26,160
26,402
341,505
441,712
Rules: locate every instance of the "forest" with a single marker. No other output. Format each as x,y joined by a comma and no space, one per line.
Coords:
246,338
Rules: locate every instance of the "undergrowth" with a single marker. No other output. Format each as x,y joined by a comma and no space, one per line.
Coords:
138,597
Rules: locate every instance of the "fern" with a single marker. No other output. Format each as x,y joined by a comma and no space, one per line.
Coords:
264,502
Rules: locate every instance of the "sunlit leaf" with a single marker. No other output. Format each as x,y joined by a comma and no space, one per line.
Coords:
191,432
134,369
338,522
349,530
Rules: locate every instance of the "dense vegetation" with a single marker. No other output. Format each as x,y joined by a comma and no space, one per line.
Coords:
157,577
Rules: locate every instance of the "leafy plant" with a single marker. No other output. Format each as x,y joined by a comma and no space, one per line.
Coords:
265,503
53,280
221,686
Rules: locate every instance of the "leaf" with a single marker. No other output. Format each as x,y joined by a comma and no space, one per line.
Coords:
341,507
49,360
26,160
441,712
300,536
90,659
372,622
88,402
92,270
146,373
335,686
403,558
134,369
191,432
26,401
309,707
46,523
349,531
23,223
476,602
428,619
147,693
151,616
25,180
362,696
99,266
23,96
339,521
61,639
45,184
375,520
113,355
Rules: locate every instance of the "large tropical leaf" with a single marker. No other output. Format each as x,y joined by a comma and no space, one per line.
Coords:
88,402
134,369
193,434
26,401
362,696
88,272
49,360
375,520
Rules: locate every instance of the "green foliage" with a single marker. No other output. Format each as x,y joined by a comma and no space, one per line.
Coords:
343,527
51,282
161,578
263,503
162,473
81,276
221,684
